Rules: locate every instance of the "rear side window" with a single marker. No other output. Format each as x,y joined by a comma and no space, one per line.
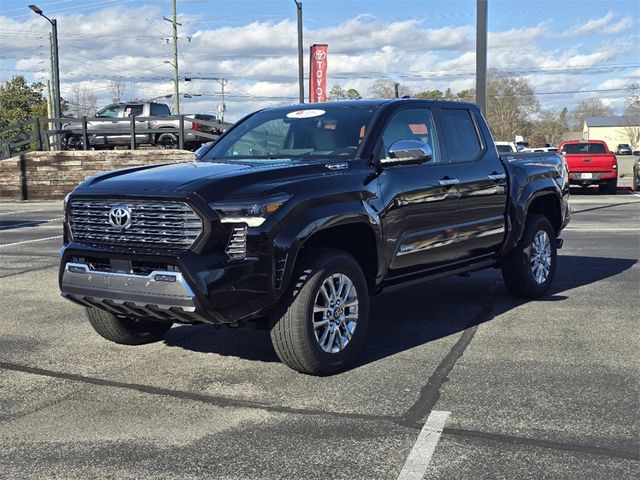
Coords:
460,134
573,148
504,148
159,110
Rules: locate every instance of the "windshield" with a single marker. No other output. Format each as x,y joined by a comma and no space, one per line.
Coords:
578,148
334,131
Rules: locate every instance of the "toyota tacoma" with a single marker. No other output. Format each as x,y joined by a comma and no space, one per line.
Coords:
298,215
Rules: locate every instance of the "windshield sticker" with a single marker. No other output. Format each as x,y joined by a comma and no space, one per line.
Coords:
306,113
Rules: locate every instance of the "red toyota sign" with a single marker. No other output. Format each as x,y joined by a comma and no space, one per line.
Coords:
318,74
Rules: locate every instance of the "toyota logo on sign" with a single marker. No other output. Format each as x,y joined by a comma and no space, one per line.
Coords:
120,217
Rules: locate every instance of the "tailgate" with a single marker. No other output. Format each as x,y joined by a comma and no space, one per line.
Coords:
590,162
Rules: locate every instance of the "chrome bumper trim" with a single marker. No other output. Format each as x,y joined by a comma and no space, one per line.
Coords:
162,294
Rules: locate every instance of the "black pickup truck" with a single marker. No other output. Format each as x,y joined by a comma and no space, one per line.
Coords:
297,215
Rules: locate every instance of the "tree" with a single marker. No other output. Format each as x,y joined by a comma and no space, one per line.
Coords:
593,107
632,101
386,89
537,139
19,102
553,124
511,105
353,94
430,95
339,93
117,89
82,102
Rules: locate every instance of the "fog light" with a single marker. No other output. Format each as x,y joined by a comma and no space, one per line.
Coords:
164,278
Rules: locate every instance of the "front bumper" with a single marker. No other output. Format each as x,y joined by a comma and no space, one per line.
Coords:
207,288
164,295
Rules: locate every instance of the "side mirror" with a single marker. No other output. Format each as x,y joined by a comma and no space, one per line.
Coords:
407,151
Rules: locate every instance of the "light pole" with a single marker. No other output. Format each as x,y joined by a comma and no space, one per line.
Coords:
300,59
481,55
54,61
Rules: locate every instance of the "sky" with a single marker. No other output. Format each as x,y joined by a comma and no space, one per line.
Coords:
568,50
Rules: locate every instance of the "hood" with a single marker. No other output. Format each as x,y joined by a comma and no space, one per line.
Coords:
209,180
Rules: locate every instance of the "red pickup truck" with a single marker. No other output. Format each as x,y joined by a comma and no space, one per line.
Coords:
590,162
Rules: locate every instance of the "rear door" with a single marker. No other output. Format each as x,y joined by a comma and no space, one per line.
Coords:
480,213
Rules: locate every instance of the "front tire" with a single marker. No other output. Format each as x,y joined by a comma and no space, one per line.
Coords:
529,269
126,330
324,324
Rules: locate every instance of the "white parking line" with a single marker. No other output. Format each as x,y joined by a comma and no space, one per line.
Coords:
602,229
29,241
420,456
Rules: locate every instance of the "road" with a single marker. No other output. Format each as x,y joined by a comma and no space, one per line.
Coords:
541,389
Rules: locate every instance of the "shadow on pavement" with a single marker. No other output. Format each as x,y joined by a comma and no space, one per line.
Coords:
412,317
11,224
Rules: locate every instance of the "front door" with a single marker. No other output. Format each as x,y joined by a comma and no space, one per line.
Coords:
420,200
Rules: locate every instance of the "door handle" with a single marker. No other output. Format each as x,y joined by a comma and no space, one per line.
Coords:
497,176
447,182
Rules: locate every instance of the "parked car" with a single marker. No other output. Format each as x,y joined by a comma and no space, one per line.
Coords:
636,175
506,147
623,149
297,215
106,129
590,162
541,149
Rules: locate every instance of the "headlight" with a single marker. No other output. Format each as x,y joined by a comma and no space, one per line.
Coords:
64,203
251,212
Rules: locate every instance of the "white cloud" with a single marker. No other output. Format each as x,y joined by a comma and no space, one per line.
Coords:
606,24
260,58
518,37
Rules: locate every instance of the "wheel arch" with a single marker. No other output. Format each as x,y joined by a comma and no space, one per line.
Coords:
355,236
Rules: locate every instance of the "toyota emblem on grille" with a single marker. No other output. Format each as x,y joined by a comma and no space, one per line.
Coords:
120,217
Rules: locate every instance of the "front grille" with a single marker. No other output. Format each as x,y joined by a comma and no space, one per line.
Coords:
154,224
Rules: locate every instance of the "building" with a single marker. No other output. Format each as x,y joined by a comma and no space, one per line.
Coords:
613,130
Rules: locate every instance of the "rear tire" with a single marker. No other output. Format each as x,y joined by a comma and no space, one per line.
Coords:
529,269
126,330
315,334
167,140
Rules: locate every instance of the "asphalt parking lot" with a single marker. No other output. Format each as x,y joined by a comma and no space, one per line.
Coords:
544,389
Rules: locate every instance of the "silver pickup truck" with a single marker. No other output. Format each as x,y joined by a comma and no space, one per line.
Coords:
111,126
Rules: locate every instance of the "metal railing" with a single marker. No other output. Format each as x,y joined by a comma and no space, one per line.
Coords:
85,133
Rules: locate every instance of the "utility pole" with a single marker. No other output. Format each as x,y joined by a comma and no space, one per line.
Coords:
176,90
223,105
481,55
300,51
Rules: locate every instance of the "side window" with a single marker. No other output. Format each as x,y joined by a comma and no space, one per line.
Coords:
411,124
159,110
134,110
460,134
